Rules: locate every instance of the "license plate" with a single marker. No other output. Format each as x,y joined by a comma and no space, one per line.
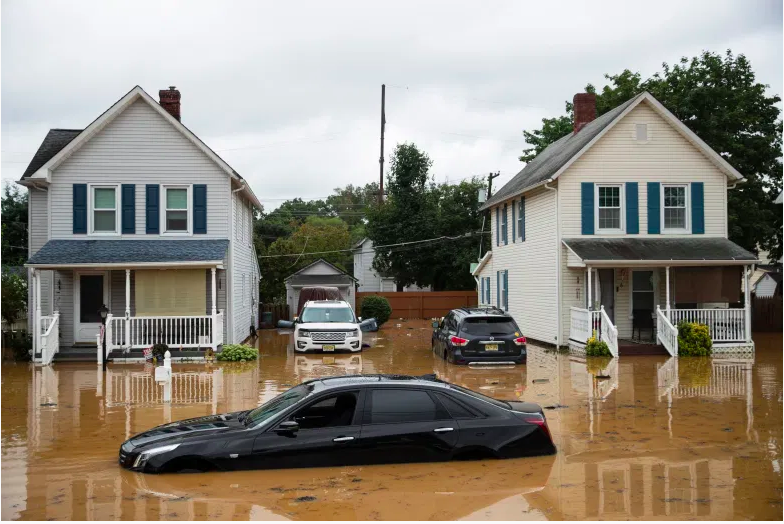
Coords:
491,347
328,360
329,347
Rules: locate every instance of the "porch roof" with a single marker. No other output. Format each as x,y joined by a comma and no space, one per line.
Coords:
676,251
130,253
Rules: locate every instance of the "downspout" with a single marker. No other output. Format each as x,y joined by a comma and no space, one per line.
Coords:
557,260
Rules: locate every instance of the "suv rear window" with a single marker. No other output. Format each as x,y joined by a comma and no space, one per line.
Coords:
488,326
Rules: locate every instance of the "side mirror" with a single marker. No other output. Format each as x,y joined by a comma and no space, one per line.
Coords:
287,427
359,319
285,324
369,325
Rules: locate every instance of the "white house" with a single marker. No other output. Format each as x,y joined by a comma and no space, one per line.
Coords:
137,214
368,279
620,227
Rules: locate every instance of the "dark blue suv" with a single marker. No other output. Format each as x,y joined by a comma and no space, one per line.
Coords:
479,336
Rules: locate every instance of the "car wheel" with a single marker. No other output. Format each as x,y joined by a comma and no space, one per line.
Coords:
188,465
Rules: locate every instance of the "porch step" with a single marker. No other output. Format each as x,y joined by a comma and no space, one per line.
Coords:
633,349
76,354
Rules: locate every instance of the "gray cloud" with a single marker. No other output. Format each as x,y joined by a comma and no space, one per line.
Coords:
288,93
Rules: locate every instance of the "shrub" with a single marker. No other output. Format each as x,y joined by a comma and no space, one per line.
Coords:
238,353
21,346
376,307
596,348
159,351
14,296
694,340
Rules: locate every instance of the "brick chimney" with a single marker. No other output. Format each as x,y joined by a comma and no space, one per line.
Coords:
584,110
170,100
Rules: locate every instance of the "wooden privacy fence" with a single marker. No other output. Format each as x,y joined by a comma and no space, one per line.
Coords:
423,304
269,314
766,314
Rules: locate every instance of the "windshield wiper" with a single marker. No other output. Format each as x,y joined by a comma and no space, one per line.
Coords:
243,415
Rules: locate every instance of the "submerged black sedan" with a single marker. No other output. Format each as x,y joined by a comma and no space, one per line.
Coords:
351,420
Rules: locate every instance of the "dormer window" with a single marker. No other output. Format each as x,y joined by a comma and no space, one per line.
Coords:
104,210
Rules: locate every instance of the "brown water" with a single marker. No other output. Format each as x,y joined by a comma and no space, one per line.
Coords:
657,439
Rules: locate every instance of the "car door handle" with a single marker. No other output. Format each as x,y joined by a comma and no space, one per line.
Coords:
443,430
342,439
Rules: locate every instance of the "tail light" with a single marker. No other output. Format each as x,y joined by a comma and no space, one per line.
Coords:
457,341
520,341
539,420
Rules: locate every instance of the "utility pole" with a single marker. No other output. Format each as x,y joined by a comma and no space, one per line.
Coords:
381,157
490,178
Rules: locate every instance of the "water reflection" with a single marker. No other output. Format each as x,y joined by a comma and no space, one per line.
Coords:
638,437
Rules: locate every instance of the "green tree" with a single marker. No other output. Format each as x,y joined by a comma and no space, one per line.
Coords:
418,209
14,295
14,226
719,99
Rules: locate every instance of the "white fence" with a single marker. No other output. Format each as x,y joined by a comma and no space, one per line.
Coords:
580,326
584,323
139,387
725,325
50,338
666,333
608,332
175,331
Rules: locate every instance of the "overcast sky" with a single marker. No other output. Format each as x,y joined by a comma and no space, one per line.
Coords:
288,93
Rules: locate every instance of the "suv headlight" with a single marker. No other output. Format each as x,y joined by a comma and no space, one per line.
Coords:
303,333
144,456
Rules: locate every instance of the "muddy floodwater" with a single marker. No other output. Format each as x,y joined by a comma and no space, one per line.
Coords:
638,438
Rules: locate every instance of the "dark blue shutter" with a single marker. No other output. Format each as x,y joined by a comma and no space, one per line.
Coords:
522,218
586,206
506,289
497,226
514,223
199,209
128,209
632,208
654,208
153,209
80,209
505,221
488,289
498,289
697,208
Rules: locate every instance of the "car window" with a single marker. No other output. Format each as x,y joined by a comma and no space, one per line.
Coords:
455,409
327,314
489,326
396,405
491,400
330,412
276,405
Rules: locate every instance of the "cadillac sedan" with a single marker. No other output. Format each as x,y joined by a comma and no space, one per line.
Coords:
350,420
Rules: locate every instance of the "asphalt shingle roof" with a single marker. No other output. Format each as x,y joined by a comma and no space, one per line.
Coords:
55,140
675,249
131,251
320,280
555,156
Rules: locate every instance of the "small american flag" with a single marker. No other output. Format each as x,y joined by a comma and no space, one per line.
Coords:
147,353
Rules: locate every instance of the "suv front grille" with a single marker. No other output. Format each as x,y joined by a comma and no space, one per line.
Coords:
327,336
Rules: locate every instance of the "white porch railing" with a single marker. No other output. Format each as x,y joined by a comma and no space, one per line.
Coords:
50,338
585,322
580,325
200,331
139,387
608,332
666,333
724,325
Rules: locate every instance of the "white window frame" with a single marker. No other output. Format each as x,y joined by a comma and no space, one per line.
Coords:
189,203
687,201
621,203
647,132
91,209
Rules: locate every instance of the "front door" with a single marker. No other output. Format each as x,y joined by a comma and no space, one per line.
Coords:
90,293
607,291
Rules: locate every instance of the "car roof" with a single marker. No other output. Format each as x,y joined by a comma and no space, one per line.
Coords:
380,378
327,303
481,312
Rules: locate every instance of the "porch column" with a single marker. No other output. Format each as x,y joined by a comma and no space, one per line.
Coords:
214,312
667,285
747,302
128,308
34,273
590,298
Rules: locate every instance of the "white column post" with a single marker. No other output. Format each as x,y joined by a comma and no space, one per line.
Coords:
214,312
747,299
38,310
128,308
667,285
590,291
35,317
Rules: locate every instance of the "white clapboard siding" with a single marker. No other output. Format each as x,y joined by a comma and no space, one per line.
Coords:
532,279
244,268
38,235
666,157
139,147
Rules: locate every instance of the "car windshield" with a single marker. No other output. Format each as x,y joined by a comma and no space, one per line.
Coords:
277,404
327,314
491,400
489,326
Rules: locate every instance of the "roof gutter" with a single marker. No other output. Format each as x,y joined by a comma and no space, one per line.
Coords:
516,193
671,263
131,265
557,259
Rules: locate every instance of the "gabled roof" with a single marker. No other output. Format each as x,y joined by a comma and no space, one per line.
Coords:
482,263
60,144
358,244
558,156
320,261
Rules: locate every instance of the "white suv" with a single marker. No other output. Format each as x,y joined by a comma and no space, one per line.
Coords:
327,325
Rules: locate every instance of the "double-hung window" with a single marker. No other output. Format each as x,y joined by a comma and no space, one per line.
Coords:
177,218
609,208
675,212
104,209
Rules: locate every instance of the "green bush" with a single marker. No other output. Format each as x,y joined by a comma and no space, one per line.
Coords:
238,353
159,351
21,346
597,348
694,340
14,294
376,307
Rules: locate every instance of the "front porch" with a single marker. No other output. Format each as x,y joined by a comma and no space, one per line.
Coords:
635,300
